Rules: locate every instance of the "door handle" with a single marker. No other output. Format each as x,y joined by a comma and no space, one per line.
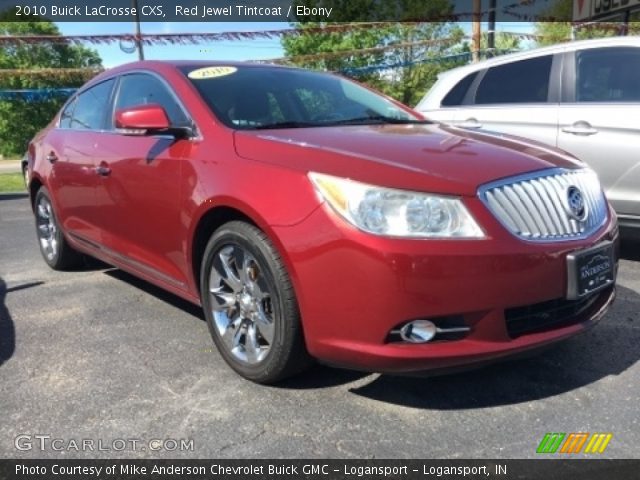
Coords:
470,123
580,128
52,157
103,170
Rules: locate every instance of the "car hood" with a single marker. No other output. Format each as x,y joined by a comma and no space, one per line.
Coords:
430,157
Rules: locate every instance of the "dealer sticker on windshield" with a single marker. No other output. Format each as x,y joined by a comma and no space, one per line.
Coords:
590,270
211,72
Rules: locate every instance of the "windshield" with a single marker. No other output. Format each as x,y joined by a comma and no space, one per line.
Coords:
251,98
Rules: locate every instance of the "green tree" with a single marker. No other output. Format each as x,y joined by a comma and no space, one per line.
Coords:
415,50
503,43
21,119
552,32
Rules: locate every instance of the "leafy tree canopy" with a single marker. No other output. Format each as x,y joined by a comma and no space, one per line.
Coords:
557,32
19,119
421,61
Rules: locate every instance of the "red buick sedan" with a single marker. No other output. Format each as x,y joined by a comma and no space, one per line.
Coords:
313,218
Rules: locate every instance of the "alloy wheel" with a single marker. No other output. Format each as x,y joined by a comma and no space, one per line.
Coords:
241,302
47,228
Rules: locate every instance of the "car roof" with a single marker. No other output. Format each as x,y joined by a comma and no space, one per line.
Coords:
209,63
567,46
448,78
163,65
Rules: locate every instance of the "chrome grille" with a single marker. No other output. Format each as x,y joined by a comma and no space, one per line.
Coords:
536,206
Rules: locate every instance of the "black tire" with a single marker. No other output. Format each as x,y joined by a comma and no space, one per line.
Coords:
59,255
265,293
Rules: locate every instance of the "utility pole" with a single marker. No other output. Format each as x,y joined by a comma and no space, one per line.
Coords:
491,37
476,32
138,34
627,19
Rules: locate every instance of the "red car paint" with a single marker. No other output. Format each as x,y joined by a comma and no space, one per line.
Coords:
147,210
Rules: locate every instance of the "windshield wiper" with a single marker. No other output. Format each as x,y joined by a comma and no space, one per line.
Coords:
290,124
380,119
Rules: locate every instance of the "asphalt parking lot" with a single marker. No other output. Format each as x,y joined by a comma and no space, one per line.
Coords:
97,354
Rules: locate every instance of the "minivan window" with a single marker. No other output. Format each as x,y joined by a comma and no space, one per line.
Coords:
456,95
91,106
141,89
608,75
525,81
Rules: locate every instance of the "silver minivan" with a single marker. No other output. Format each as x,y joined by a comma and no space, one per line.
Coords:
583,97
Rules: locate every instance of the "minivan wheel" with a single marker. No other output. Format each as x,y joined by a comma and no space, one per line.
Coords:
250,305
53,246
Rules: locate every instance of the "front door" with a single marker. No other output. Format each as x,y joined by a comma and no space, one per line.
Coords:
141,193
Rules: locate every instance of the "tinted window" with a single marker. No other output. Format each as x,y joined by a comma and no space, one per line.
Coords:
142,89
91,107
261,97
318,103
608,75
526,81
457,93
66,115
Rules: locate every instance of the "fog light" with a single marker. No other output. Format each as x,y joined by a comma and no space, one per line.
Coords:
418,331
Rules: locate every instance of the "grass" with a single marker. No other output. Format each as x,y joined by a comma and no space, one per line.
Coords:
11,182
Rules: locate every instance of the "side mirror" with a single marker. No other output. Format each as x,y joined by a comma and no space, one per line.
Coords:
147,119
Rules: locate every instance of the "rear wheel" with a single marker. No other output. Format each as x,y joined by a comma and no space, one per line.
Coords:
250,305
53,246
25,176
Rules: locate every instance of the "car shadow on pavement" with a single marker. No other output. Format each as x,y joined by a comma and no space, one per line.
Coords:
610,348
13,196
157,292
607,349
318,376
7,329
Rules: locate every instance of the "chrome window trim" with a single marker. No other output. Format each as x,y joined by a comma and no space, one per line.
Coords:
117,76
173,94
74,98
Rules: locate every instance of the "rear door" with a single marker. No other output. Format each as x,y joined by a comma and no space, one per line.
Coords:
600,122
71,150
518,98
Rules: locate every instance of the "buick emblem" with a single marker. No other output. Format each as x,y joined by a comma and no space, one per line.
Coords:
575,203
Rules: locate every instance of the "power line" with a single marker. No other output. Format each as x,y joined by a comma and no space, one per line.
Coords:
361,51
195,38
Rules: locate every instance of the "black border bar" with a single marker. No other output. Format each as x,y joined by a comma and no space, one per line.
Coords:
574,469
301,10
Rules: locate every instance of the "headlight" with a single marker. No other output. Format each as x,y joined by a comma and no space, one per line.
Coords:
397,213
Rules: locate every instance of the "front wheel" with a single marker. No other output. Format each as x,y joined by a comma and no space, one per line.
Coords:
250,305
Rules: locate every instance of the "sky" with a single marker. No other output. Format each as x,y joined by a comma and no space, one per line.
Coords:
112,55
259,49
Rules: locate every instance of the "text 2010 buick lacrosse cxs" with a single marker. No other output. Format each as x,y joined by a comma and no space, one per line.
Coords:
313,218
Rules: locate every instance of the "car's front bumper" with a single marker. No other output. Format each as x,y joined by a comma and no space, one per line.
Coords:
354,289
